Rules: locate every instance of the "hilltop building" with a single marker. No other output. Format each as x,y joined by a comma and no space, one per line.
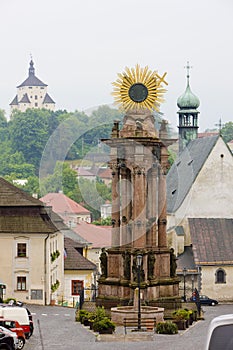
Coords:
32,93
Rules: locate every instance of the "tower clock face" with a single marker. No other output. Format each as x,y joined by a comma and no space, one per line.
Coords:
138,92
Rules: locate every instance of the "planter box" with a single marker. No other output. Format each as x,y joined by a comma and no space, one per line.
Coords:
106,331
181,324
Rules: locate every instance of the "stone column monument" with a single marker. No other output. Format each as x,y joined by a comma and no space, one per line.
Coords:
139,163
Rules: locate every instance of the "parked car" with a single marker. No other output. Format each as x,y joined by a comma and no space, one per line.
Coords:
19,314
12,334
20,304
6,342
14,326
205,300
220,333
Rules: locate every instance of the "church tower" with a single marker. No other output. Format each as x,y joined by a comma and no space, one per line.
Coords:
188,115
32,93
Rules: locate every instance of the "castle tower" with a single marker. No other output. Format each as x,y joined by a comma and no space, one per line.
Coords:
139,163
32,93
188,115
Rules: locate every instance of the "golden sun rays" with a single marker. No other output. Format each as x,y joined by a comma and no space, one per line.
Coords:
138,88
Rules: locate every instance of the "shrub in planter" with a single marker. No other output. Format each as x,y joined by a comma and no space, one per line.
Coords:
167,327
82,315
104,325
180,314
180,317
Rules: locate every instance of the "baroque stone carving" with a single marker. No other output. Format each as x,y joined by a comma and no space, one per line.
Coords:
151,263
127,257
104,263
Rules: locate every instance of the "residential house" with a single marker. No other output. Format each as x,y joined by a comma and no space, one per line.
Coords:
70,211
31,259
79,274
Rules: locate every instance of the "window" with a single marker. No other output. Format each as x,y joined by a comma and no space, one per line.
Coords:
21,283
36,104
21,250
35,97
220,276
76,286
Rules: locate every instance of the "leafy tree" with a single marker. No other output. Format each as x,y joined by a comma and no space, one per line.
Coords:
63,179
227,132
29,134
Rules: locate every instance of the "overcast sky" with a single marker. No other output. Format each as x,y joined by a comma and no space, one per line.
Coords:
79,46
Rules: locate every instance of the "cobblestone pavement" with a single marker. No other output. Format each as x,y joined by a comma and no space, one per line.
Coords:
55,328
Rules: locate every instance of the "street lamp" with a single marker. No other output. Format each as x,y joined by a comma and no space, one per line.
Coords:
184,274
139,264
192,283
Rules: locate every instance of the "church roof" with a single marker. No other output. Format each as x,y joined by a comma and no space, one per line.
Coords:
212,240
48,99
32,80
185,170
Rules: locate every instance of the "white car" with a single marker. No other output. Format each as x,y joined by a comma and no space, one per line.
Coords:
220,333
12,334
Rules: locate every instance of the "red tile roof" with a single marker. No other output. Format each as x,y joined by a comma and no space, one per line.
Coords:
62,204
105,173
99,236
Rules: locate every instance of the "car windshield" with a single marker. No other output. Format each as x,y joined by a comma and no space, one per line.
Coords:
222,338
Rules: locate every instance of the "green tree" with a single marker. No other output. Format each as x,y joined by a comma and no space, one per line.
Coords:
227,132
63,179
29,134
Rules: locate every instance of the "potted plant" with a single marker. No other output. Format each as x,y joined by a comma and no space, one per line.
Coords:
180,317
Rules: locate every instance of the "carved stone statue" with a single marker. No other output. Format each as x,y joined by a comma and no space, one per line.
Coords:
173,264
104,263
126,257
151,263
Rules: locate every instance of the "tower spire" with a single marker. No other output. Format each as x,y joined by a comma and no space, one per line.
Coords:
31,68
188,68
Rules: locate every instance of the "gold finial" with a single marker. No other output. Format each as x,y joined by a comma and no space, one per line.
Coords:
139,88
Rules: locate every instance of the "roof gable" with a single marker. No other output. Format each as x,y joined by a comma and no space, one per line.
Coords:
185,169
48,99
74,260
13,196
25,99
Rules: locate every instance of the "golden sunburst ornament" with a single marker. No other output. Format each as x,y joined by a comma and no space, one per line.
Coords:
138,88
